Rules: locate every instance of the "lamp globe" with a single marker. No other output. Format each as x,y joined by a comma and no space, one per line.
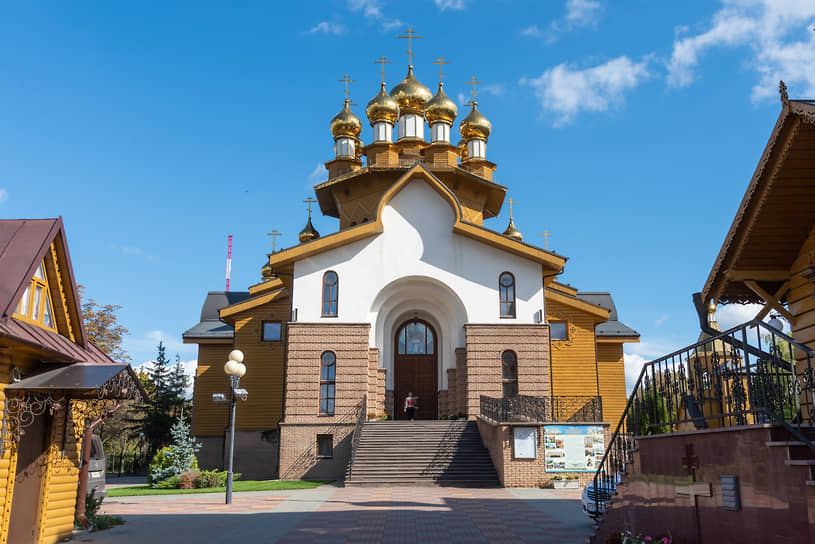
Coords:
236,355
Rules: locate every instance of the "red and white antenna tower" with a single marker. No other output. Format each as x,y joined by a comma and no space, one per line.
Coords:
228,261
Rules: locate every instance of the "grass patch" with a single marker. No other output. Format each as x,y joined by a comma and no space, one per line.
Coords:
237,486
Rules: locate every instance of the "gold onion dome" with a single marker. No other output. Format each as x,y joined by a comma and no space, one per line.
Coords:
512,232
382,107
716,346
475,126
440,108
266,270
345,123
410,94
309,232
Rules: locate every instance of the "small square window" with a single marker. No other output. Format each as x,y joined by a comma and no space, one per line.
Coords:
325,446
271,331
558,330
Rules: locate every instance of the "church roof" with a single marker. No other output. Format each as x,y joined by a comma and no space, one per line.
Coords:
304,250
613,327
211,327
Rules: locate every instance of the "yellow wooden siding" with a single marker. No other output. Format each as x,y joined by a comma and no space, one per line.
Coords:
8,461
801,297
210,419
263,379
574,368
611,370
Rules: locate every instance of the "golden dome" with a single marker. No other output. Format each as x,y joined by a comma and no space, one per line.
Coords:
512,232
475,126
266,270
440,108
382,107
345,123
309,232
410,94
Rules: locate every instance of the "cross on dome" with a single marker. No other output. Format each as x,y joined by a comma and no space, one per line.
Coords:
346,79
309,201
382,61
440,61
274,234
411,35
473,81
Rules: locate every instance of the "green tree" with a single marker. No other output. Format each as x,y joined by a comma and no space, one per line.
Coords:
178,458
164,403
103,327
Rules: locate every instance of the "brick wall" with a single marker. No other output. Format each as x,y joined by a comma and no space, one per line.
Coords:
461,381
452,393
303,422
485,344
497,438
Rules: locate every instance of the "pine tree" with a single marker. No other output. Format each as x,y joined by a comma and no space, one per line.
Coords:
178,458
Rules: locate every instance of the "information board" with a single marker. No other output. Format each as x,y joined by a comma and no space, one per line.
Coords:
573,448
526,442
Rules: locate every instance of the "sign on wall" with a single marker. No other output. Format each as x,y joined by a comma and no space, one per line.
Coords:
573,448
526,442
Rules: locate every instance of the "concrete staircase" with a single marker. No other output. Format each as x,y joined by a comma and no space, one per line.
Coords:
422,453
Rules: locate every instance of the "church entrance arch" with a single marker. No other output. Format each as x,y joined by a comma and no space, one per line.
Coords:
415,368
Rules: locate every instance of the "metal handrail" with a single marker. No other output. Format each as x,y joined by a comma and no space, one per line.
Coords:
751,374
356,436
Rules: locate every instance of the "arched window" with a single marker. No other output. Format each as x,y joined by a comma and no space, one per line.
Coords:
331,289
328,372
506,291
416,338
509,373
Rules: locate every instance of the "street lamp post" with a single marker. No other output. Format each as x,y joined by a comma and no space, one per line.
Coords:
235,369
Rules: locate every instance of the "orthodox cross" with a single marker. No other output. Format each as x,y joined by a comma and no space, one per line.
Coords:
274,234
511,202
381,61
546,234
440,61
473,81
410,37
309,201
346,79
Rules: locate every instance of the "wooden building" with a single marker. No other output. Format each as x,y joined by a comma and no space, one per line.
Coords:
414,293
53,383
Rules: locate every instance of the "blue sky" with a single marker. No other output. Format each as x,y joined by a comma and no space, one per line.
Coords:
629,131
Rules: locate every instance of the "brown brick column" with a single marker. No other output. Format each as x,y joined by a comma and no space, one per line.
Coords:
452,393
461,380
303,422
486,343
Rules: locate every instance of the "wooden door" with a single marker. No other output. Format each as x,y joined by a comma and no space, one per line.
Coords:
31,466
415,369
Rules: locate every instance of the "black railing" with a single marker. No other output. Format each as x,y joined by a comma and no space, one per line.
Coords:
749,375
525,408
357,433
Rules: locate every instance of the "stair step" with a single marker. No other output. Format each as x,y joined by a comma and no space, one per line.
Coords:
800,462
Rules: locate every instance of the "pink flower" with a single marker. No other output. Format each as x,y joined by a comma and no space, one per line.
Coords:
666,540
648,539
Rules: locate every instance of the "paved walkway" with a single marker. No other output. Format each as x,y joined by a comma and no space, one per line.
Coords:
332,514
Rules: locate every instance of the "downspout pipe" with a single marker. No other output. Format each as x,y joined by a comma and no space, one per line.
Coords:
86,459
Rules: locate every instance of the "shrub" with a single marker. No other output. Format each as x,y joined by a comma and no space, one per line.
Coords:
168,483
174,460
213,478
547,484
99,522
187,480
443,417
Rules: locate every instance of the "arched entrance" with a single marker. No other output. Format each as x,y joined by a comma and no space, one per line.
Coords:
415,368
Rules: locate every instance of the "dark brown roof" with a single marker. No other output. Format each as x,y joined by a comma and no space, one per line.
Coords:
23,245
776,214
58,348
85,381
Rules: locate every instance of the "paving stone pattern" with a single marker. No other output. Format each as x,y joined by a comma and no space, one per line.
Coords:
358,515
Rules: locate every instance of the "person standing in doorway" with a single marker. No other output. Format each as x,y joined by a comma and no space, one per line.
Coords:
410,406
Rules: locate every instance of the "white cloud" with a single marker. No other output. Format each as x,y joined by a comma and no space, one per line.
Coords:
462,99
661,319
583,12
372,9
495,89
3,195
450,4
566,91
579,14
633,367
636,355
317,174
325,27
778,34
131,250
190,370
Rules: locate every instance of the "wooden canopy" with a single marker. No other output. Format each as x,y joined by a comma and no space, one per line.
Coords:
775,217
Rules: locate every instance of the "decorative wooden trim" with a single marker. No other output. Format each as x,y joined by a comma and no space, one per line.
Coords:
571,331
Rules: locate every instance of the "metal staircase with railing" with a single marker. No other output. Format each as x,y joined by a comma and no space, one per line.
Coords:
749,375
